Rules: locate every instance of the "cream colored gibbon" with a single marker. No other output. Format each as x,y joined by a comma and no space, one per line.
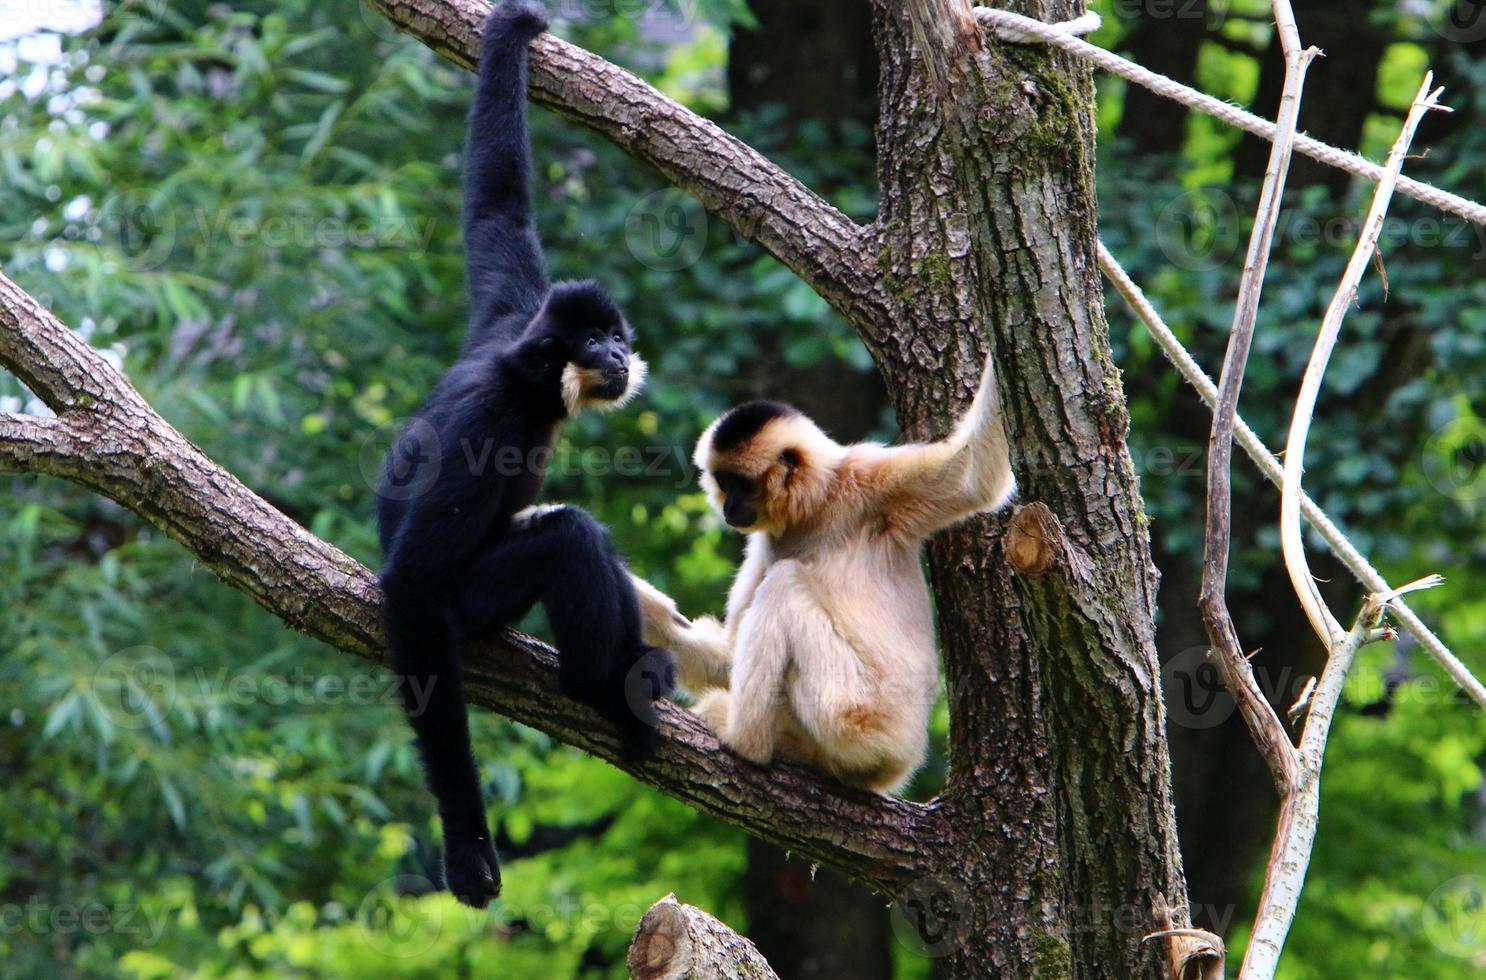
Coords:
827,653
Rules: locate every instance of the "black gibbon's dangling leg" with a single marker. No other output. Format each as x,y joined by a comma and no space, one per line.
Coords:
462,553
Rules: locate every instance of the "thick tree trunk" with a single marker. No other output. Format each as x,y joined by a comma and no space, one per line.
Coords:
1059,785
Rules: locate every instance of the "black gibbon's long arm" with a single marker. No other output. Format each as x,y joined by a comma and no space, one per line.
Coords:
465,551
503,257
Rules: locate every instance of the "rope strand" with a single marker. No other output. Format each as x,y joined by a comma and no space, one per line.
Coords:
1019,29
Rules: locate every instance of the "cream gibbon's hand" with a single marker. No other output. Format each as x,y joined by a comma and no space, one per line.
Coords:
702,646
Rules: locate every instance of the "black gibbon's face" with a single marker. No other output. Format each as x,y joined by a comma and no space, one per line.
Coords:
602,353
584,332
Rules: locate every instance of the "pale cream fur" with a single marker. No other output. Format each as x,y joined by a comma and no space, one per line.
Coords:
579,382
827,654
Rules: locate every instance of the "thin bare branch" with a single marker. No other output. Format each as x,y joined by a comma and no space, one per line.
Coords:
1268,731
1322,621
1273,471
112,442
1295,837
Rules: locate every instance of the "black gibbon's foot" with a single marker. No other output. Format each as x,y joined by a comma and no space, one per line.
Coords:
524,14
471,871
649,679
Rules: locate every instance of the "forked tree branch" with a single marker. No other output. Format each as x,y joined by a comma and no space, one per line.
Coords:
1295,837
765,204
1321,619
106,438
1269,734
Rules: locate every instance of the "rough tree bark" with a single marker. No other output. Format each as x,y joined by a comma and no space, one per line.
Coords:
1052,851
1058,755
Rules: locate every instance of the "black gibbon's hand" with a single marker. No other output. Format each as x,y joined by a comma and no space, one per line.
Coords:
523,15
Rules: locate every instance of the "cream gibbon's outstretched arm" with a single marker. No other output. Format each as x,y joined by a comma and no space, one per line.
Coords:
703,646
921,488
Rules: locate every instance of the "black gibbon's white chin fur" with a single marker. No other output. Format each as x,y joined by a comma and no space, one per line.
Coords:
582,389
464,550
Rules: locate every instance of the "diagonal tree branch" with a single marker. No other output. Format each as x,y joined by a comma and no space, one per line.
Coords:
765,204
106,438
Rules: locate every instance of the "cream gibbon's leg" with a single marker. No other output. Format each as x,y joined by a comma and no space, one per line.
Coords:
800,690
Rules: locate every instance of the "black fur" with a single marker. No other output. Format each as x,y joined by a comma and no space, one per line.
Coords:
744,422
455,565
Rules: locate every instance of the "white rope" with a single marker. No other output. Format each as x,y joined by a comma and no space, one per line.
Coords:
1019,29
1271,468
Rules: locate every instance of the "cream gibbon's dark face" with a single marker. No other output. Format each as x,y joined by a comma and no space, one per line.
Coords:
762,466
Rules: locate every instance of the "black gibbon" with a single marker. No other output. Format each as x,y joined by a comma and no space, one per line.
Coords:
827,653
465,552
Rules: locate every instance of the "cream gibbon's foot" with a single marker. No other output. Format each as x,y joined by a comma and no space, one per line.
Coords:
714,709
702,646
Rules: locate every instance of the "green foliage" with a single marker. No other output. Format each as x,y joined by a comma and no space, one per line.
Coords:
1396,457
